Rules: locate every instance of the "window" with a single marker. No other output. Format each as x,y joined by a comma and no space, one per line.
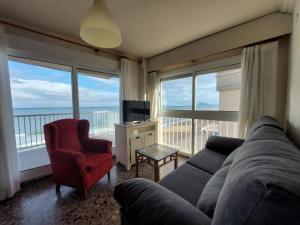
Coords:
186,122
177,94
99,103
41,93
218,91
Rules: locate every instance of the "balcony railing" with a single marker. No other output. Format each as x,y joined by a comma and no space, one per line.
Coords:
178,132
29,128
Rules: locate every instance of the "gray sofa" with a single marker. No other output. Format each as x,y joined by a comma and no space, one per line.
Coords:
230,182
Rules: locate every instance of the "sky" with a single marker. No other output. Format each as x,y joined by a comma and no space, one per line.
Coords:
179,92
34,87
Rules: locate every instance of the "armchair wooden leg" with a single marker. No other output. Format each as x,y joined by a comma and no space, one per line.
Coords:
57,188
85,194
108,175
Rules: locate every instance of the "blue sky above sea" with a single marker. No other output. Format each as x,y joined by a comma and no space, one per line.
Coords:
38,87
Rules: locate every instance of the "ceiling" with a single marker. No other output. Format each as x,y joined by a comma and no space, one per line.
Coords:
148,27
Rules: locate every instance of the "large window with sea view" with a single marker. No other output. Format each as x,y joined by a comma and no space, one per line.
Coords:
42,92
199,105
99,102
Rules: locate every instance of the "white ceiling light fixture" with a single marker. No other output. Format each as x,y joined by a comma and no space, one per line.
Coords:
99,28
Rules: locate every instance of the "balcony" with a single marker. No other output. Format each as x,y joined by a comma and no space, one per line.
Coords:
178,132
30,140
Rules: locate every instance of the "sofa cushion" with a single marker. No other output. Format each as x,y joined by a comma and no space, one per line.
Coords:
187,181
259,167
263,121
148,203
230,158
207,160
223,145
268,133
210,194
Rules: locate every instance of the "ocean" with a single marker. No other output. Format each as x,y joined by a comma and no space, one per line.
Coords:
38,111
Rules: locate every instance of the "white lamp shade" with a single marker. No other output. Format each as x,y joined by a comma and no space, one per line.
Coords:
98,27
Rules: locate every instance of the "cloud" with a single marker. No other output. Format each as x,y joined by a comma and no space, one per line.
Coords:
179,92
35,93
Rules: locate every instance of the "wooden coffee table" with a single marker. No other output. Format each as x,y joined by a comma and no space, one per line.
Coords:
157,156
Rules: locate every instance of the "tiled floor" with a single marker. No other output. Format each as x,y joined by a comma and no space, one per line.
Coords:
38,203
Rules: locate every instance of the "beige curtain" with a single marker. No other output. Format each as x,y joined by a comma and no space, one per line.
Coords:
262,88
153,95
9,173
129,79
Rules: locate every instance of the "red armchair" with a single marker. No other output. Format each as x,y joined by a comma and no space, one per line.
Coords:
76,160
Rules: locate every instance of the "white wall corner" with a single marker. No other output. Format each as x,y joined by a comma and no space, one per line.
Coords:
286,6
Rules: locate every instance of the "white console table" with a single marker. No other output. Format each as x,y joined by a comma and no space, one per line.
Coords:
131,137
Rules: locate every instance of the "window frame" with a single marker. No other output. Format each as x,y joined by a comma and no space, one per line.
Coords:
229,63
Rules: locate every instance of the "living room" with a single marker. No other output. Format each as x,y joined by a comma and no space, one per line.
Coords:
149,112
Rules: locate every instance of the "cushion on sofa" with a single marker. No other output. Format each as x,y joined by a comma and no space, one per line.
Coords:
148,203
207,160
256,170
268,133
210,194
229,160
223,145
187,181
263,121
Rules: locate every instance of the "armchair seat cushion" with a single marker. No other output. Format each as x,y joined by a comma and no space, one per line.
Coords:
96,160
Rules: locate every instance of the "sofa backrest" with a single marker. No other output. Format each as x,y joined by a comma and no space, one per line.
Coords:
263,182
263,122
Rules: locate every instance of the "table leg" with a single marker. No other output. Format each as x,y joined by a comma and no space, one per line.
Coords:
156,171
136,165
176,160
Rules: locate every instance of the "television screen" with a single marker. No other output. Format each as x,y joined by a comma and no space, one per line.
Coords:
136,111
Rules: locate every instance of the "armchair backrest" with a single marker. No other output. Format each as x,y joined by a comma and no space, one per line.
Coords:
65,134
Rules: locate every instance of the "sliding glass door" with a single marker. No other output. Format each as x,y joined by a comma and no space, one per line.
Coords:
44,92
41,93
99,102
197,106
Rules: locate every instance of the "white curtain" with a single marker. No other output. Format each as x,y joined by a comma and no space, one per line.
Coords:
129,81
153,95
260,94
9,173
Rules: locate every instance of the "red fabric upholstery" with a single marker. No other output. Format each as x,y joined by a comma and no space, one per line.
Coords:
76,160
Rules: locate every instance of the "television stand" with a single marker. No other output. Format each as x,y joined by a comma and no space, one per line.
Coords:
130,137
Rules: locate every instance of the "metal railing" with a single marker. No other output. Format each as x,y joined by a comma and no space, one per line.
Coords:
29,130
178,132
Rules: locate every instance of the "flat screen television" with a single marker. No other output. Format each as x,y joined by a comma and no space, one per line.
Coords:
136,111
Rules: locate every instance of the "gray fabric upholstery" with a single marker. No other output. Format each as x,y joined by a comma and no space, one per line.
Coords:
210,194
223,145
229,160
207,160
262,185
148,203
259,166
264,121
187,181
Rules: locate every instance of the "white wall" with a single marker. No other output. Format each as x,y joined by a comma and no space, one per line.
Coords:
28,46
293,103
264,28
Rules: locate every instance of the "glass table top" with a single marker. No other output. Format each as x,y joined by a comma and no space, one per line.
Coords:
157,151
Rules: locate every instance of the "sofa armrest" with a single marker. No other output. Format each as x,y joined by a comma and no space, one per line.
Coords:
97,145
148,203
224,145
